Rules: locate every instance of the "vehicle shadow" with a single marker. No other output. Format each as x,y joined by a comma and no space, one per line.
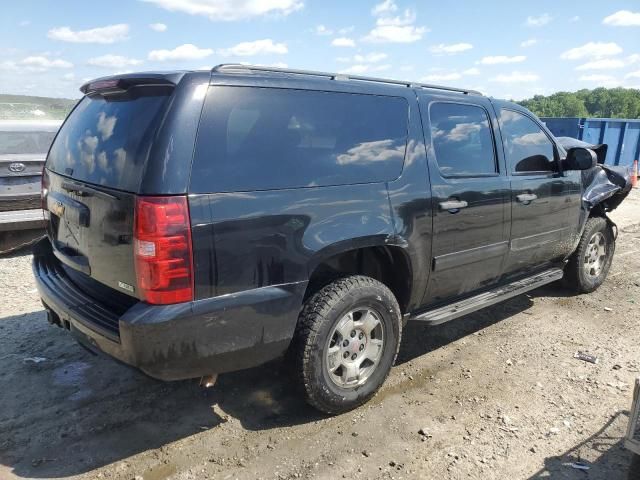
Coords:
73,412
613,462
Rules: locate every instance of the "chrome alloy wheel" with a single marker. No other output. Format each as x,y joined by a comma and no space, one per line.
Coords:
596,255
354,348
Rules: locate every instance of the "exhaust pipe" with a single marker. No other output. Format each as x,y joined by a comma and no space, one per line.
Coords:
208,381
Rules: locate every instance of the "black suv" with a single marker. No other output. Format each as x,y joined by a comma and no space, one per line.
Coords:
204,222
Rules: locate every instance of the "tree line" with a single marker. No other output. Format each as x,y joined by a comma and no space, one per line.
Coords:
600,102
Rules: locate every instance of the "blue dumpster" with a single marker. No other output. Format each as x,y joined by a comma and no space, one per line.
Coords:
622,135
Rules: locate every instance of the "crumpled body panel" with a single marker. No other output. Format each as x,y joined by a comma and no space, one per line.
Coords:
604,185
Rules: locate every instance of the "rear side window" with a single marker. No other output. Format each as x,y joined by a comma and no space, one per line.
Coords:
25,142
265,138
462,139
106,140
527,147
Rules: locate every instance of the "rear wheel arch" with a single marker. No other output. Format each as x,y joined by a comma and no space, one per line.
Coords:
388,264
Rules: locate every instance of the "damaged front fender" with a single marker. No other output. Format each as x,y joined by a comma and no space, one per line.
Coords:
607,186
604,186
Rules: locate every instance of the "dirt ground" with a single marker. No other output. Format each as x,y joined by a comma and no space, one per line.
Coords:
496,394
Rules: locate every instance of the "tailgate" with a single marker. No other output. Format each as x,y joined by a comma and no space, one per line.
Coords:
91,230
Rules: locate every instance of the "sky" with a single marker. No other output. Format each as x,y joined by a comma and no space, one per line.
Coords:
506,49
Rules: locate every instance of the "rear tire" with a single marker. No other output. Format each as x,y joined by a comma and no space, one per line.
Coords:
590,263
346,341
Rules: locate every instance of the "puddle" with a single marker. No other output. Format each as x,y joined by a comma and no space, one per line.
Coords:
159,472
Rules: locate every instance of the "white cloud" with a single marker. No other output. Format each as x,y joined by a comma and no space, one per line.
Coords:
395,34
574,19
408,17
592,50
113,61
501,59
599,79
322,30
257,47
623,18
515,77
388,6
603,64
633,75
24,23
529,43
187,51
104,35
359,69
539,21
451,49
229,10
345,30
38,63
389,29
373,57
442,77
343,42
158,27
69,76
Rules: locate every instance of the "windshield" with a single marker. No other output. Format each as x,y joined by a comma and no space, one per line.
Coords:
106,141
25,142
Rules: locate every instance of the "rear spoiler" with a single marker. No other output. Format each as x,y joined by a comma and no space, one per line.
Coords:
116,85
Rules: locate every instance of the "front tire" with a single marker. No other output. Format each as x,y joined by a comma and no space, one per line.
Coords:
346,341
590,263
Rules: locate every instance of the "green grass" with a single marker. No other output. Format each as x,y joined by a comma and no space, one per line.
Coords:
23,107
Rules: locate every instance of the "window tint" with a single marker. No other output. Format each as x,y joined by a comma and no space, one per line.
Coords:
462,139
527,147
266,138
25,142
106,141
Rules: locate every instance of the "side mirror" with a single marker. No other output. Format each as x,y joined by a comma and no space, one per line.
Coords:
579,158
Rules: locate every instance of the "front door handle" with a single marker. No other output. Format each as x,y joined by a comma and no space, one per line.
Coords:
526,198
453,205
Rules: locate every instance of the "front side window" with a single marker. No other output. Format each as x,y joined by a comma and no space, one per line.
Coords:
462,139
527,147
254,138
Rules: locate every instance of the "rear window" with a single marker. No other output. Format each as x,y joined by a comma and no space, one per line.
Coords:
266,138
106,141
25,142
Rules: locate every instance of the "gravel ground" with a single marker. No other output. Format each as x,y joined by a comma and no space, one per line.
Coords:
493,395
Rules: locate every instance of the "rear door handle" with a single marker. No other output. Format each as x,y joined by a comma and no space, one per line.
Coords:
526,197
453,205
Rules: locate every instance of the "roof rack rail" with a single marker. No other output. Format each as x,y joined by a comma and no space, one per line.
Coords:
239,67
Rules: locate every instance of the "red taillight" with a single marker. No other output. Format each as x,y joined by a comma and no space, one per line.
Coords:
44,188
162,249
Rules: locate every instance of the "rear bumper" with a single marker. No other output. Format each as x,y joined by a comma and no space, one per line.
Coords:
20,200
173,342
21,220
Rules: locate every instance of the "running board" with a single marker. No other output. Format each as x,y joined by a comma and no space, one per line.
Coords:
486,299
